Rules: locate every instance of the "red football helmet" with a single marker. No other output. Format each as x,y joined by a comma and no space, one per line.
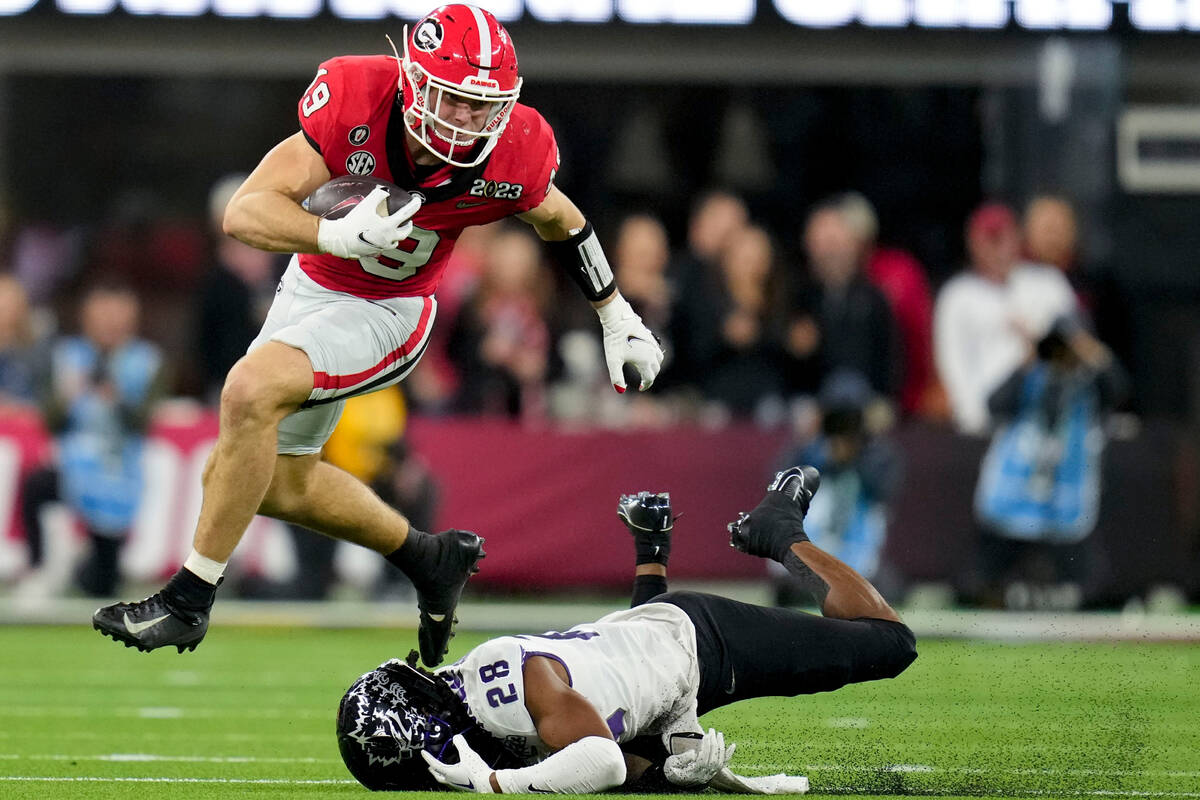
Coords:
463,52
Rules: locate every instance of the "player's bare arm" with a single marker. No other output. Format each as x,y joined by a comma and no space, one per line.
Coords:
562,715
265,211
585,758
558,219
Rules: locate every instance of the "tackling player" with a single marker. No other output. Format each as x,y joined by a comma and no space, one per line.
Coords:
356,304
617,701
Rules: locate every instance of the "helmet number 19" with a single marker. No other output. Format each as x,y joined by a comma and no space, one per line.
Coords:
398,264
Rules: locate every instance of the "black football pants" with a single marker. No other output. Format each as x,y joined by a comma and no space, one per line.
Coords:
748,651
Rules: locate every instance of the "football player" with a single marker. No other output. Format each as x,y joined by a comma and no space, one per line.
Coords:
356,304
616,702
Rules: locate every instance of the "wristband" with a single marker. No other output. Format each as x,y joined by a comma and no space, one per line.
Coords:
583,258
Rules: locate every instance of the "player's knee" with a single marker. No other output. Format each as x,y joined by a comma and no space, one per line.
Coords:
243,395
901,650
254,395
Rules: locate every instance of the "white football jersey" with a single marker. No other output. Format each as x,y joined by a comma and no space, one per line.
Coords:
637,667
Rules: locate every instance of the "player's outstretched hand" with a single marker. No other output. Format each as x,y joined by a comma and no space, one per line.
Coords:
627,340
363,232
470,774
696,767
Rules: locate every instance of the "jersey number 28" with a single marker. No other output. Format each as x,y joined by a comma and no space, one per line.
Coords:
497,696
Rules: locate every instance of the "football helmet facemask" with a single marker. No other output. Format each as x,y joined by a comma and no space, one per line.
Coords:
387,717
459,53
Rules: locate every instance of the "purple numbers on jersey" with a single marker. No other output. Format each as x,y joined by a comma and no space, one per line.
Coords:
616,722
489,672
497,696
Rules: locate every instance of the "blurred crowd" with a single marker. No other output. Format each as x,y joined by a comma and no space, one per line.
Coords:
826,332
754,320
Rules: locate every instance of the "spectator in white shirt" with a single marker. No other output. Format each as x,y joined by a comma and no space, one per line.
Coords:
987,317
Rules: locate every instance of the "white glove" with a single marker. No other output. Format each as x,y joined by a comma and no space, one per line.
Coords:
726,781
628,341
368,229
470,774
696,767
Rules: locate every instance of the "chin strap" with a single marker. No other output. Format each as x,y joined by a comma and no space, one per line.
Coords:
399,63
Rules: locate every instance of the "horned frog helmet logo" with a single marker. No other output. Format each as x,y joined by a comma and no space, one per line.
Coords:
428,35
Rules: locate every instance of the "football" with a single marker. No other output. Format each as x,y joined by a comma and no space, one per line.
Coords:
333,200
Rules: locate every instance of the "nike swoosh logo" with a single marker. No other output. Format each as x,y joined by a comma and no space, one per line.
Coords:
539,790
468,785
732,682
138,627
365,240
469,204
437,617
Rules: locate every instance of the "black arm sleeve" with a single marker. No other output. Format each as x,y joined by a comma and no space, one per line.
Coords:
583,259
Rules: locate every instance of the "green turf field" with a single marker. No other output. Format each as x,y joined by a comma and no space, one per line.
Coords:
250,713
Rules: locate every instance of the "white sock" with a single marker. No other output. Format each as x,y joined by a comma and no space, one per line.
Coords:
205,568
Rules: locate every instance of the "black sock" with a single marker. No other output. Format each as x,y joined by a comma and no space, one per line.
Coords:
190,592
647,552
646,587
414,557
810,581
98,574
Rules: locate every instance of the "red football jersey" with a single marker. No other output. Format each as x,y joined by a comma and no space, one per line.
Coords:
350,114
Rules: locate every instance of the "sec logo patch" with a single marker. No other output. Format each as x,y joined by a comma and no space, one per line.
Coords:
360,162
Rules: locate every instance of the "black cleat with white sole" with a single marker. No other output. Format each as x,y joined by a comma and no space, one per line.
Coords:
778,521
438,593
151,623
647,515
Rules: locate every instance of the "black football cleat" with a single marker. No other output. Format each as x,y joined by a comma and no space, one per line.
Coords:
778,521
438,594
798,483
647,515
151,623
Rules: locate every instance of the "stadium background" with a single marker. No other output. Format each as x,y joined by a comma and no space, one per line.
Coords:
114,124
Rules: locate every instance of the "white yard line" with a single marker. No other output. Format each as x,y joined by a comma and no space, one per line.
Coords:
95,779
1005,793
903,768
342,782
160,712
809,768
150,757
1111,773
